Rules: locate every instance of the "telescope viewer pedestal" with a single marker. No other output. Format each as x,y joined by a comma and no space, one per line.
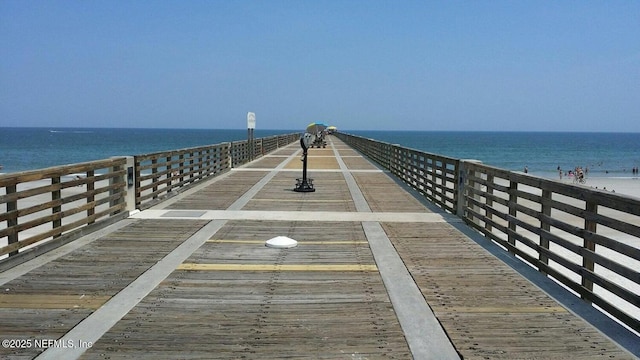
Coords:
304,185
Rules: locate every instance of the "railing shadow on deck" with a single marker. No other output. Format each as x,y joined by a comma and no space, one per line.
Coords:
44,209
587,240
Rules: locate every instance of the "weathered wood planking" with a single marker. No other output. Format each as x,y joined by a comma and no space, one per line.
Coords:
384,195
356,162
221,193
332,194
266,314
486,308
48,301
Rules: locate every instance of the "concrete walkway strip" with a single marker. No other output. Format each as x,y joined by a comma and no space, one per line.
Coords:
338,216
358,198
426,338
314,170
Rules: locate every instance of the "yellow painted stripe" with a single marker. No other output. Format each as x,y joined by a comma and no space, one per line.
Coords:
299,242
504,309
303,200
51,301
275,267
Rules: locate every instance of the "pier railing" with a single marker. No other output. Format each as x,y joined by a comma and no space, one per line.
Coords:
60,203
586,239
43,209
163,174
159,174
434,176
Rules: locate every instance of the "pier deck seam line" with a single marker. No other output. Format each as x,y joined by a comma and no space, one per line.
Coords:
94,326
410,306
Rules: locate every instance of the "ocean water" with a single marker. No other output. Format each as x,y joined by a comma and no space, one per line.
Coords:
606,154
24,149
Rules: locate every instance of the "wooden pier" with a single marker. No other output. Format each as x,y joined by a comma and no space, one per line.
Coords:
376,274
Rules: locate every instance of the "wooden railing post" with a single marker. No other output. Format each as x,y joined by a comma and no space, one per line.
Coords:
489,202
91,185
56,195
464,183
113,180
191,164
590,227
154,170
513,200
181,166
544,225
12,221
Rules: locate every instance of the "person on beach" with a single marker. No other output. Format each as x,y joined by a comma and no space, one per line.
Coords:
579,174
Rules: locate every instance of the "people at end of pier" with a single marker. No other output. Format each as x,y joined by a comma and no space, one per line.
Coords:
526,170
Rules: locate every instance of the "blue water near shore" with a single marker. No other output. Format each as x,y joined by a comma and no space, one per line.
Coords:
24,149
606,154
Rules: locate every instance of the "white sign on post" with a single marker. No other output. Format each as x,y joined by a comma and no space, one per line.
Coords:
251,120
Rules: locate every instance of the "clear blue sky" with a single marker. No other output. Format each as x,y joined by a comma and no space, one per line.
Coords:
374,65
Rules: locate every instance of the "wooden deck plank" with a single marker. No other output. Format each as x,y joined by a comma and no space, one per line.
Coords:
384,195
487,309
221,193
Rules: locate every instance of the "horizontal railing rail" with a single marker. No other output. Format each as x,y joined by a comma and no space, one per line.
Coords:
586,239
52,204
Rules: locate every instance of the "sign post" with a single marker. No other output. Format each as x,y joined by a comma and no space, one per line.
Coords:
251,125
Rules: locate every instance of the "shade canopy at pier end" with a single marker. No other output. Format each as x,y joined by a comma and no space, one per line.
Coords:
316,128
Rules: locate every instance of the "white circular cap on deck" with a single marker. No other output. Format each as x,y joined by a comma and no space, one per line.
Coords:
281,242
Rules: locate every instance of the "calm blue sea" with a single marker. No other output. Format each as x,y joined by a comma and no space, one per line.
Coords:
36,148
606,154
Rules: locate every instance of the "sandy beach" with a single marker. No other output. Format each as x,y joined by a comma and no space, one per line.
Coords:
620,185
